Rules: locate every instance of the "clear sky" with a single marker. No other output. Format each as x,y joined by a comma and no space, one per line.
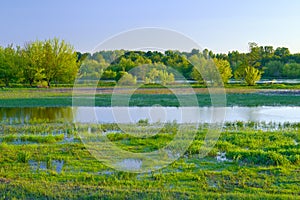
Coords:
219,25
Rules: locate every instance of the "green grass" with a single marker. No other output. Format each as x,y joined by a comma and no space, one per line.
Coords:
237,95
233,99
262,165
265,86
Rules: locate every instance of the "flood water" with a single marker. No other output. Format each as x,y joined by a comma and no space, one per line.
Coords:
153,114
273,81
22,115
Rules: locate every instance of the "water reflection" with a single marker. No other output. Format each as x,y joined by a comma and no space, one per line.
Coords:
22,115
187,114
153,114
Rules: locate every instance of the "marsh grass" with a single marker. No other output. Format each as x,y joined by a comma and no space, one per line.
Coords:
263,164
62,97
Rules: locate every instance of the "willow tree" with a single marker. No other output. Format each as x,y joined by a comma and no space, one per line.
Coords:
51,61
59,61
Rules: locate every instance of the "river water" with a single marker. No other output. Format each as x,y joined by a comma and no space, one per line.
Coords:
153,114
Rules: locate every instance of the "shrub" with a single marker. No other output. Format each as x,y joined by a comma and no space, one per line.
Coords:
127,79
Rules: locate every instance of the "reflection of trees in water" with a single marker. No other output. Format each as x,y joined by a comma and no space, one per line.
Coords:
39,113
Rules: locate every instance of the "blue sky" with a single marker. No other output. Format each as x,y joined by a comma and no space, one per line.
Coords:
219,25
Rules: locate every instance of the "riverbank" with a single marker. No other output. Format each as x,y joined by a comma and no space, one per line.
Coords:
62,97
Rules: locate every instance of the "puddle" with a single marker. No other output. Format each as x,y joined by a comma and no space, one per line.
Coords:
221,157
131,164
212,183
106,172
68,138
20,142
33,165
56,165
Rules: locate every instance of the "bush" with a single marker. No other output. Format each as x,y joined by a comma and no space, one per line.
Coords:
42,84
127,79
143,122
252,75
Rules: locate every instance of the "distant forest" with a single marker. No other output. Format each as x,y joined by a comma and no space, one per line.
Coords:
42,63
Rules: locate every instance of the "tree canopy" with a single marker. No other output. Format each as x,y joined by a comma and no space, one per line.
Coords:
51,61
54,61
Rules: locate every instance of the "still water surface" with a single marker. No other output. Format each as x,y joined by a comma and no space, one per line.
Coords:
153,114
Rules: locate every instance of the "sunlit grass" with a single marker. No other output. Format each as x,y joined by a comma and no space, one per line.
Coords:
261,164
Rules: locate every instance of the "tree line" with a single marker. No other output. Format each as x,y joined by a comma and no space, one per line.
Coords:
38,63
53,61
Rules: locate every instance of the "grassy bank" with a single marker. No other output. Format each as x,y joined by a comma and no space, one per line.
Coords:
45,160
60,98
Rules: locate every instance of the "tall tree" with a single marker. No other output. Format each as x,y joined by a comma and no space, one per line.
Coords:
224,69
32,56
274,69
291,70
9,64
282,52
250,67
254,56
59,61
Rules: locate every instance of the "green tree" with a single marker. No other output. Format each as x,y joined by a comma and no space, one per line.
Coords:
282,52
90,69
127,79
161,76
291,70
109,75
32,68
126,64
224,69
198,62
10,61
248,70
179,62
40,77
165,77
239,73
252,75
206,70
273,69
254,56
59,61
50,60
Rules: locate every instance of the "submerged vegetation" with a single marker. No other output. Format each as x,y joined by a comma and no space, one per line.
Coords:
250,161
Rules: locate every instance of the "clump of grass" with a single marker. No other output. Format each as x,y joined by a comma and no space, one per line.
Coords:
143,122
23,156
